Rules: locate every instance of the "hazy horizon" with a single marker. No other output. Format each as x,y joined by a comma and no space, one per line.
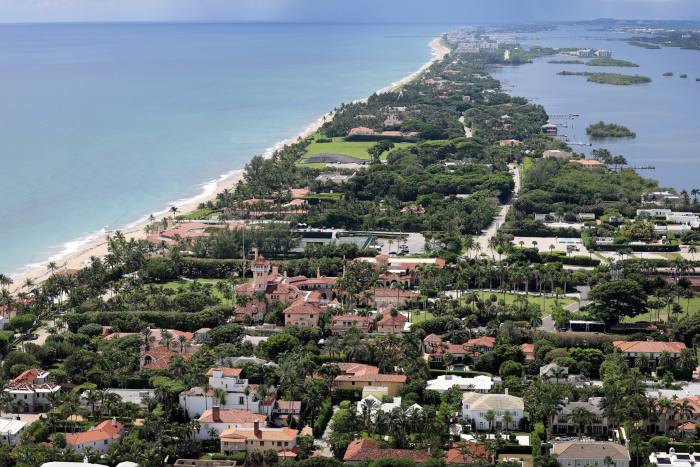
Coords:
337,11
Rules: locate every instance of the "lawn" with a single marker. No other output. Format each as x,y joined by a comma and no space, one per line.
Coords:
177,285
550,302
510,298
419,317
338,145
691,307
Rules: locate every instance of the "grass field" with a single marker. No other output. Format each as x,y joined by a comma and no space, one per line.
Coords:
549,303
338,145
420,317
691,308
177,285
510,298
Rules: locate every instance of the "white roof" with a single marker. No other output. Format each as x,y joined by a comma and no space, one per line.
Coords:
444,382
386,407
11,426
476,401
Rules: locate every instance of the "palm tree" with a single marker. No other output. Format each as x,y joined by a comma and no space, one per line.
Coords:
220,396
581,418
608,461
93,397
490,416
447,360
6,402
507,419
5,281
166,338
558,373
255,458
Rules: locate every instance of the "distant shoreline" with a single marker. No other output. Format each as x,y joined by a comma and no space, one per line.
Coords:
95,244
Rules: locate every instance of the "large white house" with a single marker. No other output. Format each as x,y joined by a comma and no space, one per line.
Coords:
477,409
443,383
590,454
674,459
32,391
238,394
10,430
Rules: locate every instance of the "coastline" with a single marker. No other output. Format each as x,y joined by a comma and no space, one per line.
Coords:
77,253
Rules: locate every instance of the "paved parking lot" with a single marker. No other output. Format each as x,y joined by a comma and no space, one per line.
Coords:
414,241
549,244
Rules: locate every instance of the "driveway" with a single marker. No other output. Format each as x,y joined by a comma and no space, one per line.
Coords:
486,235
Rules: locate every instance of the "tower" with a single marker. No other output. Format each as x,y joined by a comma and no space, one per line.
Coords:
261,270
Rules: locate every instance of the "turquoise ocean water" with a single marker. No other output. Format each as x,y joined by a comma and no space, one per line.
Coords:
102,124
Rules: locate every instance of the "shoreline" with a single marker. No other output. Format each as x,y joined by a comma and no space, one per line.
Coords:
76,253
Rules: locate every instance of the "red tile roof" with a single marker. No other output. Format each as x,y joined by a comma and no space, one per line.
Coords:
433,338
302,308
104,431
387,292
227,372
357,369
367,450
388,320
467,453
528,350
161,357
483,341
649,346
238,416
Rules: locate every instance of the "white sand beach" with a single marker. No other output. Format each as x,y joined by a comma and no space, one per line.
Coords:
98,247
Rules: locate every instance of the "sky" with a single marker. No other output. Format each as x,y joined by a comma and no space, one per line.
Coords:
418,11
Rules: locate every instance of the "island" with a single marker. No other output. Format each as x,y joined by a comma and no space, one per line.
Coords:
683,76
668,73
644,45
567,62
609,130
610,62
616,79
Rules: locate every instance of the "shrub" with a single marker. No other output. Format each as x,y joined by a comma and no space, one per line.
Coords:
324,416
207,318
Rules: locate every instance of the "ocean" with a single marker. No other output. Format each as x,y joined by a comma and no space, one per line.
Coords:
102,124
662,113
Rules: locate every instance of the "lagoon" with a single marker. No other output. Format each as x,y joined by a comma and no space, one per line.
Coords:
662,113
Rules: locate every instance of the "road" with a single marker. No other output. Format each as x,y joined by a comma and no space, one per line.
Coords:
486,235
323,443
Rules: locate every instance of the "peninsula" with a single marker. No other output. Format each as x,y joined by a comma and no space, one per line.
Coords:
426,277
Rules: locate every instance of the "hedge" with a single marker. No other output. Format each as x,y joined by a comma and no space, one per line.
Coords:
639,248
346,394
205,268
324,416
569,260
685,447
579,339
466,374
207,318
515,449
